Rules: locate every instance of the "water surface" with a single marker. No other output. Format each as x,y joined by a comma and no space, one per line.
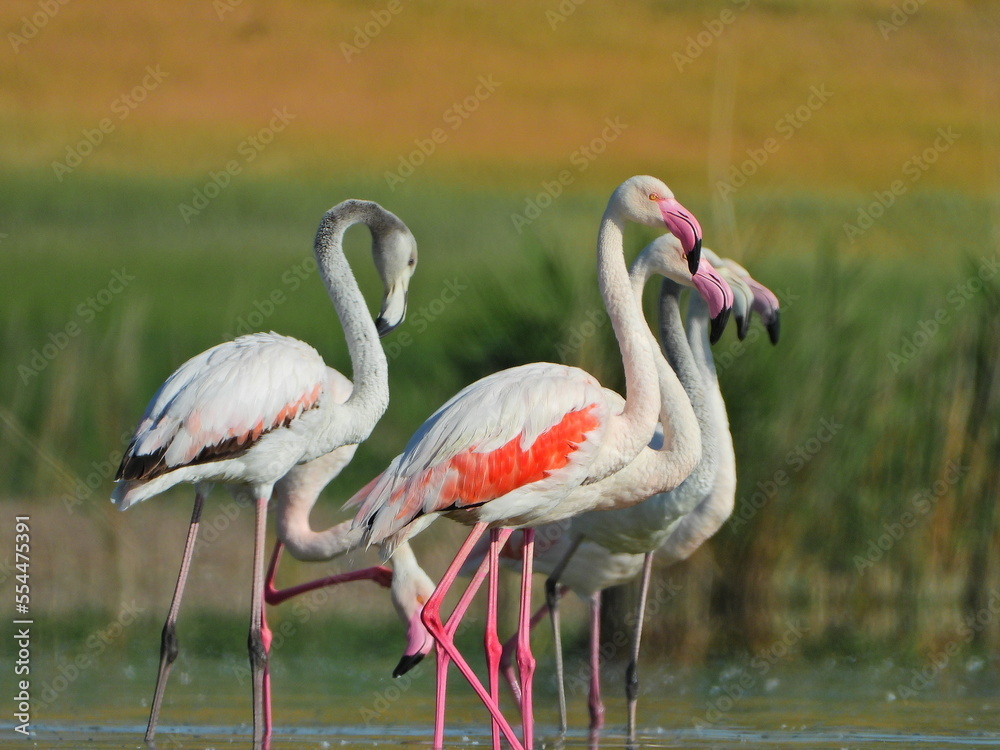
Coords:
337,703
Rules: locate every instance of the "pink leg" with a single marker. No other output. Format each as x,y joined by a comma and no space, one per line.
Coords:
266,637
594,702
631,673
507,657
442,661
168,639
255,640
450,628
274,596
525,659
440,695
490,639
552,600
431,616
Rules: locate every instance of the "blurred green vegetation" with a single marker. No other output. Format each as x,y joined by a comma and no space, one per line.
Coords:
884,381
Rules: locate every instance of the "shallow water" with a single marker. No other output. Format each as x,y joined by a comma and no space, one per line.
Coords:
327,703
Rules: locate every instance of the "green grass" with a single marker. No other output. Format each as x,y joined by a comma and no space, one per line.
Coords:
896,425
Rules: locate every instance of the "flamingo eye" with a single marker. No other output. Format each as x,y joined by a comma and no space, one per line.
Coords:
654,197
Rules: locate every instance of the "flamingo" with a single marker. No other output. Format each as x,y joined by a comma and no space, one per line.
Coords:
295,494
245,412
599,550
508,450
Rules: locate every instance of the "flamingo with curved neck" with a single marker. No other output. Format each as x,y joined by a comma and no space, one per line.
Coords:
245,412
509,450
597,551
661,465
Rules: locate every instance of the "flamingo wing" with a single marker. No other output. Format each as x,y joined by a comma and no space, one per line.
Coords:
504,432
219,403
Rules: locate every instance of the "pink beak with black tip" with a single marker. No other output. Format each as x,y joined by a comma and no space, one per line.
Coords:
717,294
684,227
766,303
418,644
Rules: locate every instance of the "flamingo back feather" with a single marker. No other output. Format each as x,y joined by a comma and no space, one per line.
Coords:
505,432
220,403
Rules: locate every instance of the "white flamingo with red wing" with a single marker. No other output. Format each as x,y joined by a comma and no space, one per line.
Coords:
510,449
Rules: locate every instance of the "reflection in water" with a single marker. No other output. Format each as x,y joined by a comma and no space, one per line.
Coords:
343,703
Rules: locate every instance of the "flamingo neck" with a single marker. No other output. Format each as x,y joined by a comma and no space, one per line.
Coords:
356,418
317,546
405,569
691,432
296,494
719,461
681,393
633,428
698,328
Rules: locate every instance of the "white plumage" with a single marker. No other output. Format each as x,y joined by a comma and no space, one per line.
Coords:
247,411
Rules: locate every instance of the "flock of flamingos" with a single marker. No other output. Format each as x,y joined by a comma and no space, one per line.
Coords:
542,449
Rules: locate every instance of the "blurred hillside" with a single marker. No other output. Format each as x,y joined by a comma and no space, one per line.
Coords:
692,85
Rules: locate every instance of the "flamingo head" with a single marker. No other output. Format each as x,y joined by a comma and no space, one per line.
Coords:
410,590
765,302
742,300
647,200
665,255
395,254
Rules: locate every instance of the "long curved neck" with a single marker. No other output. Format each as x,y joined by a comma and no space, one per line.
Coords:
691,357
698,338
688,424
370,398
294,497
709,515
632,430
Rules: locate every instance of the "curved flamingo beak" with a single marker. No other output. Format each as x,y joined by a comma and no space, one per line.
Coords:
393,310
717,294
766,303
684,227
418,644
